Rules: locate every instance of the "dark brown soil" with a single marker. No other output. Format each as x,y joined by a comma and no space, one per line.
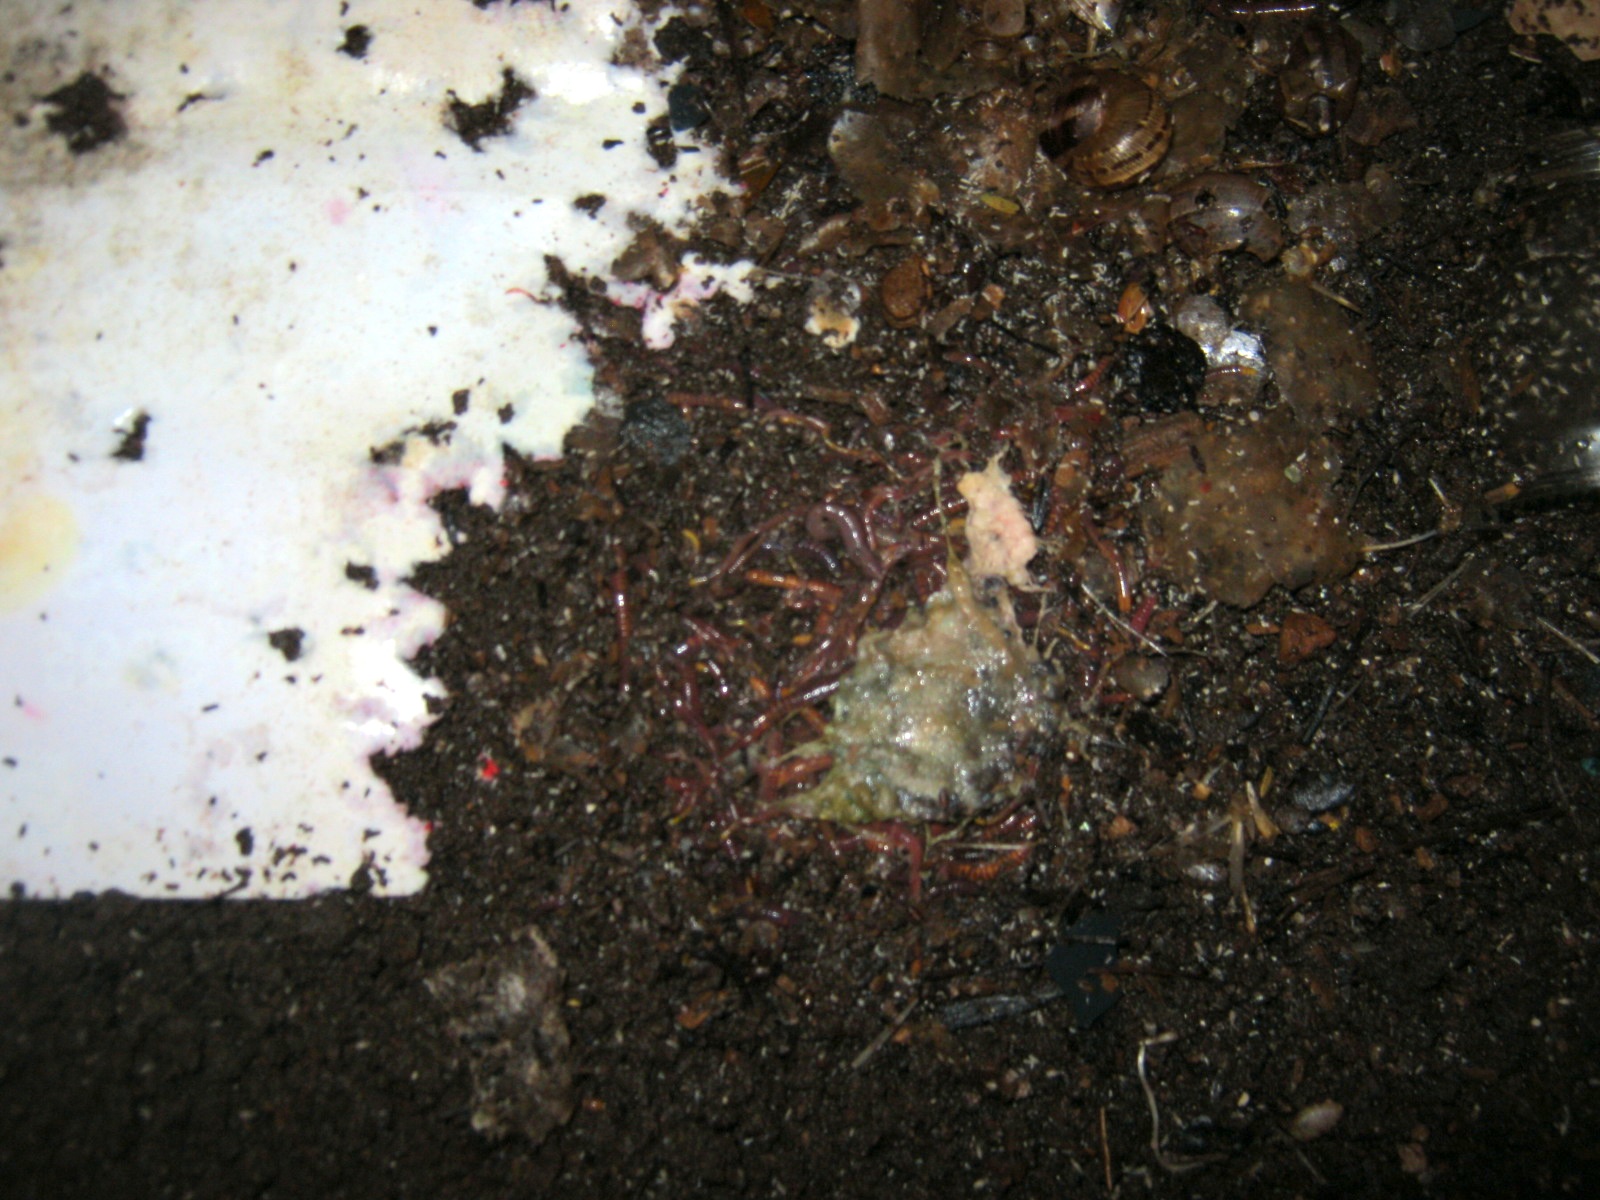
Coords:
756,1004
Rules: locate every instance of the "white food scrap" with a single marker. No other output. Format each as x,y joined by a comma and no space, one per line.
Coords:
999,536
832,308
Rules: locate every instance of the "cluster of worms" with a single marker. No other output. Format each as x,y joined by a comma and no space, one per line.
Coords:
768,628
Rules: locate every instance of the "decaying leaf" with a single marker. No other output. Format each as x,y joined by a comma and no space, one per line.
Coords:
1248,508
505,1010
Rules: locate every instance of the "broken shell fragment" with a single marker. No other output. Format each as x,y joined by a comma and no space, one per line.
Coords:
1203,319
1097,14
1236,367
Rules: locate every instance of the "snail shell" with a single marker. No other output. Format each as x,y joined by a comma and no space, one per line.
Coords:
1318,85
1215,213
1108,130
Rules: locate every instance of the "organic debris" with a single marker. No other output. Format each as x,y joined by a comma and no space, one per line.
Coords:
1322,363
505,1009
1303,635
929,722
1000,541
1247,508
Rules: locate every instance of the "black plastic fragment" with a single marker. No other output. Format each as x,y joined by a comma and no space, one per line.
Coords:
657,429
1075,964
686,107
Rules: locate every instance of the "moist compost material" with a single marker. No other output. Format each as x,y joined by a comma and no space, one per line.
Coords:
1330,849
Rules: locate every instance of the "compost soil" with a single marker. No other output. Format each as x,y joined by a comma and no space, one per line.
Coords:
1314,872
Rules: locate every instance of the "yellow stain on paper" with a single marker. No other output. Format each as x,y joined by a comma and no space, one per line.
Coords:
38,538
39,533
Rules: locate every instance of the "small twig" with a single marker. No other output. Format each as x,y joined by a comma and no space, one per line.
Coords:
1434,592
1549,742
1001,847
1119,623
1236,872
1105,1150
984,1010
788,275
1266,827
1172,1165
1306,1162
1314,726
1564,694
1334,296
879,1042
1380,547
1314,886
1572,642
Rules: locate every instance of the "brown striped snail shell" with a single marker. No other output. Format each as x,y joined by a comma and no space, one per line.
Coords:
1107,129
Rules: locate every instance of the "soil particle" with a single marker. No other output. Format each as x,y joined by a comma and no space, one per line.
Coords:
491,117
85,113
288,642
135,433
357,41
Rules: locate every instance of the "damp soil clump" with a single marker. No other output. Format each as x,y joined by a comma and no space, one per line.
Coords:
1329,823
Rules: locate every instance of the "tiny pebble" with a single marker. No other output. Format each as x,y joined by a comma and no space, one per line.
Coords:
1314,1120
1321,793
